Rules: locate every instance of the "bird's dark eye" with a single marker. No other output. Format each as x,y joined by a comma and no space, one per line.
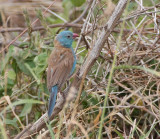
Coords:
68,36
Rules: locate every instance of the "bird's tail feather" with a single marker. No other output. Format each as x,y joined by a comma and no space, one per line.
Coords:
52,99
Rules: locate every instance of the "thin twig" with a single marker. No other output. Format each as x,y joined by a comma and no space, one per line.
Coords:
2,30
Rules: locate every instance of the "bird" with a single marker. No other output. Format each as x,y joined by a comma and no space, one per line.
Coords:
61,65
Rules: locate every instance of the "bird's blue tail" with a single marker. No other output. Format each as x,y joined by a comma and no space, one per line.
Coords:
52,99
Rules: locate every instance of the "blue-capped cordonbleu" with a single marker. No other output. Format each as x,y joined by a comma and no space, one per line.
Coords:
61,65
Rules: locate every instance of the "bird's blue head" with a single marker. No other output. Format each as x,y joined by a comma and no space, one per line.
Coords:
66,38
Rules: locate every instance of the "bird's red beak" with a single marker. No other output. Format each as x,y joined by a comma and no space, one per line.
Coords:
75,35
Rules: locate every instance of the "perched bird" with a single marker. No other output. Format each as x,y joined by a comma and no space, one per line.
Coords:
61,65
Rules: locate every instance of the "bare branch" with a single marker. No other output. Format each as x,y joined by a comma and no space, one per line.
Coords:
2,30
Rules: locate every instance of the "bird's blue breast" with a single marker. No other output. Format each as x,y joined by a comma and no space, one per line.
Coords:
74,63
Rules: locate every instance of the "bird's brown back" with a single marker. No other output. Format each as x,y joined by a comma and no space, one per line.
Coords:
60,64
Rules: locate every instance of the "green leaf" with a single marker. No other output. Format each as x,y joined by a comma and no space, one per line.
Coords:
22,67
41,64
7,57
3,134
1,89
20,102
23,44
119,134
78,3
41,60
50,130
32,72
12,122
11,75
26,109
10,83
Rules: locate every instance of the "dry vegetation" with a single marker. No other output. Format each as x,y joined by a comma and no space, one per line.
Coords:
123,79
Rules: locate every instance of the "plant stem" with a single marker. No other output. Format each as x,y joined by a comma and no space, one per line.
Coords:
111,74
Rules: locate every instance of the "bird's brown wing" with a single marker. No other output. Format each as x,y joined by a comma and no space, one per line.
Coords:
59,67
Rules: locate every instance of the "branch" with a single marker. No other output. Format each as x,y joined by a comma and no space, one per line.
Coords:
83,13
90,60
2,30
